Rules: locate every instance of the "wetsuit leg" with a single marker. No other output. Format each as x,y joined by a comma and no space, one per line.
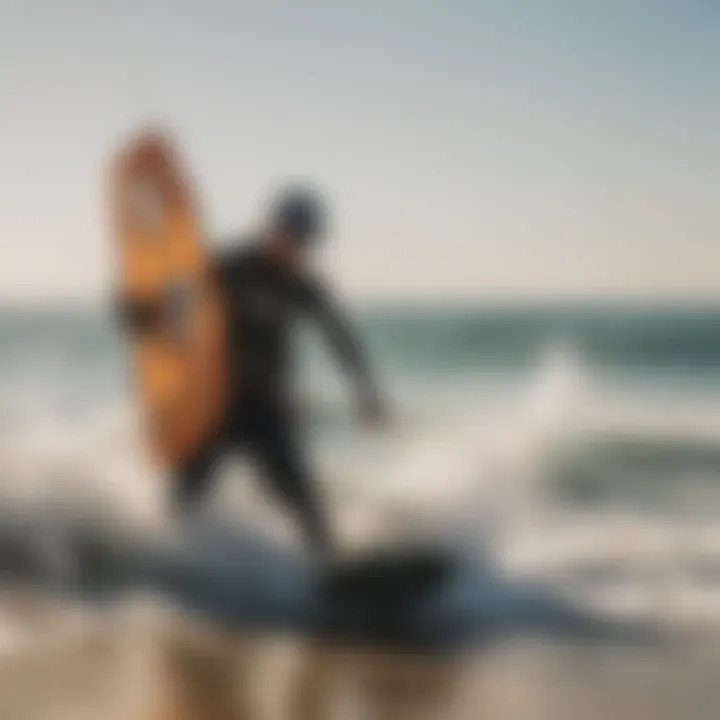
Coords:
275,447
192,481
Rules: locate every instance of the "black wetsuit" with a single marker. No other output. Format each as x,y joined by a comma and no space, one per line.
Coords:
264,301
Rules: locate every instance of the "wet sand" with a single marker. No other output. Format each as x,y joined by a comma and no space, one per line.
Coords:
147,664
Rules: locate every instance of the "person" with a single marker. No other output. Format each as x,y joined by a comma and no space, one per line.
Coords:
268,288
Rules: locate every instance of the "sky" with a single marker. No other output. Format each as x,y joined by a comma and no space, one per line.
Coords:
470,148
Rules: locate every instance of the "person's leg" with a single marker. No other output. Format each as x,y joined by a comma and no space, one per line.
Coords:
277,450
191,482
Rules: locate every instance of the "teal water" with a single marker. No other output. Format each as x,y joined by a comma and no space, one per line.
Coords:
680,343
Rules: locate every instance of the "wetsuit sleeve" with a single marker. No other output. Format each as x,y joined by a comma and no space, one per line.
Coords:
337,328
225,263
232,267
143,316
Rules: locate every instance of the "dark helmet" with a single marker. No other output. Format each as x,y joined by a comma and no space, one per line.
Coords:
300,211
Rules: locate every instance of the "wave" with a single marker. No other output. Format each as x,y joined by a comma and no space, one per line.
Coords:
478,476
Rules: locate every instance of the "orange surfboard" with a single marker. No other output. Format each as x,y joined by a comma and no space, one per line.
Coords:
163,267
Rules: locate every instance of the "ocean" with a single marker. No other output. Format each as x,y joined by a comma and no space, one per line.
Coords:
576,410
576,448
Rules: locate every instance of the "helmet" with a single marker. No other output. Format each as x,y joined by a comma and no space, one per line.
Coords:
300,211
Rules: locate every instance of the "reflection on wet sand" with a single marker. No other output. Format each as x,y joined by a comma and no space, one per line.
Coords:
284,678
125,666
287,679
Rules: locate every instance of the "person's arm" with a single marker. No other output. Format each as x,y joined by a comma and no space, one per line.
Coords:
226,261
139,316
339,332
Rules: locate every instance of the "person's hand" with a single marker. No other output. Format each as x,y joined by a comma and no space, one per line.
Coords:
372,409
298,406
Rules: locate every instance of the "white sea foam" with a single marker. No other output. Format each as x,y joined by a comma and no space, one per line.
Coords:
473,473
